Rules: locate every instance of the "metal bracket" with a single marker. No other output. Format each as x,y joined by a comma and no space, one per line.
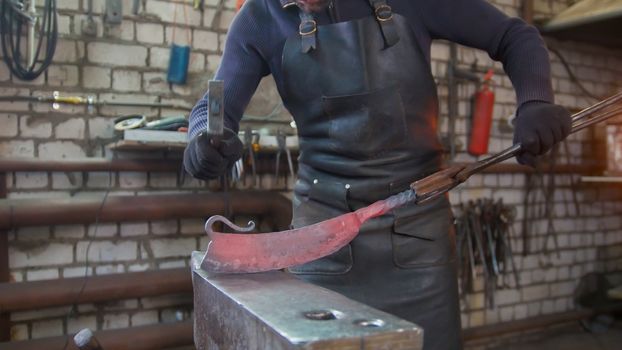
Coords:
114,12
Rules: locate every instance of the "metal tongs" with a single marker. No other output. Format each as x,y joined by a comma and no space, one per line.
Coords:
441,182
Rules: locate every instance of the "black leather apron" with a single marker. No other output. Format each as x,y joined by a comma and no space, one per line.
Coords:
365,103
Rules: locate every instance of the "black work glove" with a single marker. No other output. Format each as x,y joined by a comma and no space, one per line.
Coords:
206,160
538,127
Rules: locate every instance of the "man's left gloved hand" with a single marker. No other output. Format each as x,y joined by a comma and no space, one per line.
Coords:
538,127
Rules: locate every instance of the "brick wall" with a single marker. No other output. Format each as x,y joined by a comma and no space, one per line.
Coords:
129,61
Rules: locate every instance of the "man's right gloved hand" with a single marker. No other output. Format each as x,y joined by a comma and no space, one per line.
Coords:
206,160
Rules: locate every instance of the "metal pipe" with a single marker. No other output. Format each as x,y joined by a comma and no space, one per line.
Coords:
41,294
90,164
152,337
531,323
37,212
5,273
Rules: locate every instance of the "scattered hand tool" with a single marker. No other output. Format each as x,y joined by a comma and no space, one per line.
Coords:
281,140
241,253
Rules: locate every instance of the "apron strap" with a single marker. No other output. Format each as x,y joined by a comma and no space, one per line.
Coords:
384,16
307,30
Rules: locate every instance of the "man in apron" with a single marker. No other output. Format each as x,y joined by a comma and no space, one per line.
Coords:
355,75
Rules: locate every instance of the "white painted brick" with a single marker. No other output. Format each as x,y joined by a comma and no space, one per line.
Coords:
126,80
144,318
113,111
35,233
563,273
5,73
9,125
166,301
562,288
117,55
70,129
96,77
561,305
39,314
164,248
106,251
163,180
81,271
64,25
533,309
550,274
172,264
475,301
69,231
114,321
66,51
196,65
45,274
118,305
109,269
68,4
31,180
520,312
171,12
151,33
168,227
173,315
131,179
536,292
507,297
155,82
178,35
66,181
64,75
76,324
101,128
208,17
125,31
223,40
14,106
226,17
548,306
159,57
60,150
537,276
40,255
138,267
19,332
16,277
205,40
17,148
100,180
192,226
35,127
213,61
50,328
506,313
134,229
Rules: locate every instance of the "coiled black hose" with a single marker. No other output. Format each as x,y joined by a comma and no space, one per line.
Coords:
13,20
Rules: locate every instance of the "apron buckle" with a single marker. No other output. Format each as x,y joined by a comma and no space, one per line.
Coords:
384,13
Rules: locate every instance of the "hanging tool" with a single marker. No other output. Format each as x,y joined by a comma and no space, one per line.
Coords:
239,253
483,105
281,140
483,236
251,139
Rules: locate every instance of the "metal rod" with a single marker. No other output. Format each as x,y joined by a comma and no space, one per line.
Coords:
152,337
37,212
584,123
42,294
5,273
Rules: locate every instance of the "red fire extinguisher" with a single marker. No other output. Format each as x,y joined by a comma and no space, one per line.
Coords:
484,101
238,4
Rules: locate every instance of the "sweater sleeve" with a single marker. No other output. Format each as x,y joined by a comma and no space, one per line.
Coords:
241,68
478,24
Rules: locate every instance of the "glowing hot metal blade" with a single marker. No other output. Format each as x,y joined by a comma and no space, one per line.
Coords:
243,253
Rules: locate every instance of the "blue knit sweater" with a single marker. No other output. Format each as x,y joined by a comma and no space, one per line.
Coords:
257,34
